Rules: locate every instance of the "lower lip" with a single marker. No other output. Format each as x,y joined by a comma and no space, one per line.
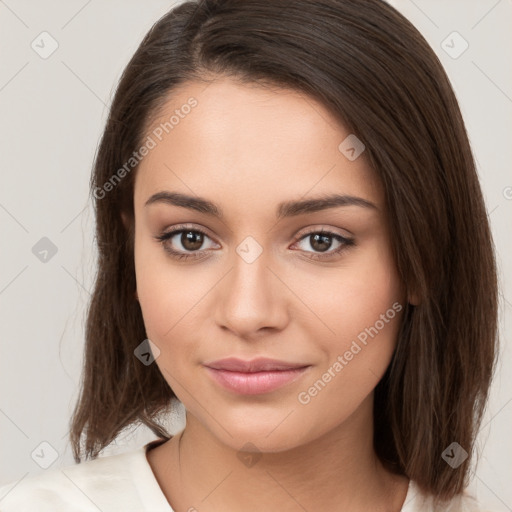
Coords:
255,383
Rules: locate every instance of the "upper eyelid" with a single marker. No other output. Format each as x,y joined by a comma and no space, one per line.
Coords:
180,228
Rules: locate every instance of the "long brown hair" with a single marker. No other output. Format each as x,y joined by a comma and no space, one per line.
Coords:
373,70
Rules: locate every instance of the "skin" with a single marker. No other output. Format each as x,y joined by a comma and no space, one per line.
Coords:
246,149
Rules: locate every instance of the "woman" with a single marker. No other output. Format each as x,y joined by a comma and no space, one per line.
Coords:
292,243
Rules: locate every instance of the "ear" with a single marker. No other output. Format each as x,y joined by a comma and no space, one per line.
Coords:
125,219
414,299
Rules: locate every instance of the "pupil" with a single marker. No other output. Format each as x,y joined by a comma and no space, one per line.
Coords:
191,240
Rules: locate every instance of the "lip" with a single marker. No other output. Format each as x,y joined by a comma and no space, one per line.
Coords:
260,364
258,376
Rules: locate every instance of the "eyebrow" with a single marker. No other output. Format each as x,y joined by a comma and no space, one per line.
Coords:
284,209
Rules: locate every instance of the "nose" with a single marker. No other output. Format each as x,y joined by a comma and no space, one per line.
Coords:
251,299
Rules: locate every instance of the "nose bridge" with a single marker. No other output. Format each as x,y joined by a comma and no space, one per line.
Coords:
250,282
249,297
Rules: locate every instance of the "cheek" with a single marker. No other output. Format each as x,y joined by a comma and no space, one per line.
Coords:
169,298
353,296
361,303
149,287
161,294
355,362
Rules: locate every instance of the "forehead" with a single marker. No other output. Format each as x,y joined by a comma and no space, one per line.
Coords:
259,144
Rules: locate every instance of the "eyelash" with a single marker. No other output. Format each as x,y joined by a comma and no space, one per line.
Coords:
164,237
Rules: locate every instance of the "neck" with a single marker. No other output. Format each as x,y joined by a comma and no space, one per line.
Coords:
337,471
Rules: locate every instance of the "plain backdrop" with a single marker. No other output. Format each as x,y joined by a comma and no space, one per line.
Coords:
53,110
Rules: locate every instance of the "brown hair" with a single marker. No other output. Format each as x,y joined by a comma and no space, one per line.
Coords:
373,70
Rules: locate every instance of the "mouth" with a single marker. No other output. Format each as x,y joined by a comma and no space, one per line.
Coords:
254,377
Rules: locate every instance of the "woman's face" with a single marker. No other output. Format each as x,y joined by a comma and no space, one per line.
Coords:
262,282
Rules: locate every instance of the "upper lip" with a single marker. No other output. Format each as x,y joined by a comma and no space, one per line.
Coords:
261,364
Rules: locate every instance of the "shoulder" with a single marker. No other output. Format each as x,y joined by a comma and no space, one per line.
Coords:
104,483
417,501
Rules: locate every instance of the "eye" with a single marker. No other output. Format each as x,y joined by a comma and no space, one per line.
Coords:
190,239
321,240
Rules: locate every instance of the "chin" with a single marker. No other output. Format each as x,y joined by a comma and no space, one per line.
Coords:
268,434
262,443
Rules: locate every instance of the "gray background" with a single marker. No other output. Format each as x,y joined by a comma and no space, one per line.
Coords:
52,113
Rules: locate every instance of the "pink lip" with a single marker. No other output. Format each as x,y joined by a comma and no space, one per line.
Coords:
254,377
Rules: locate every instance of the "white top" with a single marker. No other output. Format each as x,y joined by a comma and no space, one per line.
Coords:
126,482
